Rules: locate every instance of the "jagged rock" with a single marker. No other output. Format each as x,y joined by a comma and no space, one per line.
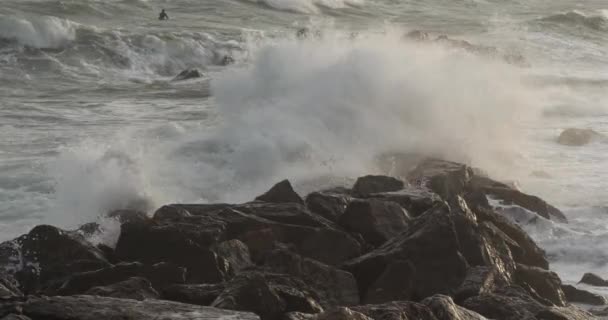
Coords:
445,178
444,308
395,283
281,192
185,245
594,280
396,310
340,313
545,283
9,287
431,245
334,287
171,212
289,213
236,254
160,275
200,294
188,74
124,216
574,294
47,253
136,288
268,295
578,137
525,251
478,280
376,184
509,196
510,304
377,221
329,204
94,308
413,199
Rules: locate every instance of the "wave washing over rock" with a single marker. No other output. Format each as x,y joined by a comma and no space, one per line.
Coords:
427,244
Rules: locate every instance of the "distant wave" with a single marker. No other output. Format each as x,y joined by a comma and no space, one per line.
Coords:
597,21
38,32
308,6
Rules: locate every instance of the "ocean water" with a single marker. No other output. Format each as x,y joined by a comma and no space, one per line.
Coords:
91,121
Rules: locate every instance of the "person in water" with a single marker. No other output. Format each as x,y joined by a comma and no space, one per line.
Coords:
163,15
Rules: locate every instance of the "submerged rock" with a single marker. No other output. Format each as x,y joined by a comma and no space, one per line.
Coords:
188,74
578,137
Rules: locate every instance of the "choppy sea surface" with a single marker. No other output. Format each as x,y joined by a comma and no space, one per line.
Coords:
91,121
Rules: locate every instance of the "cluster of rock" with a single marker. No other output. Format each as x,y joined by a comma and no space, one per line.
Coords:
427,247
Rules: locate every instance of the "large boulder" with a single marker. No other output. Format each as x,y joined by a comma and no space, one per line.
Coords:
478,280
413,199
334,287
48,254
376,220
594,280
444,308
544,283
329,204
445,178
201,294
396,310
268,295
510,196
160,275
183,244
340,313
376,184
281,192
94,308
136,288
574,294
578,137
430,244
236,253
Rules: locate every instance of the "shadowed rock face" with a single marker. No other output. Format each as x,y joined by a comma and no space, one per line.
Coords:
432,250
574,294
594,280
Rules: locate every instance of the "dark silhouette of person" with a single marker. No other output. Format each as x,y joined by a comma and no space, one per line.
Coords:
163,15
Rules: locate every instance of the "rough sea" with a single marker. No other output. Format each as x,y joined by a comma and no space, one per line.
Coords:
91,120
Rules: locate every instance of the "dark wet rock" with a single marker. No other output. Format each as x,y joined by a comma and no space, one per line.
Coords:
126,216
417,35
289,213
376,220
340,313
188,74
478,280
509,196
281,192
396,310
334,287
136,288
578,137
227,60
445,178
594,280
573,294
185,245
268,295
9,287
525,250
200,294
431,245
328,204
171,212
511,304
94,308
47,253
235,253
395,283
415,200
544,283
160,275
444,308
375,184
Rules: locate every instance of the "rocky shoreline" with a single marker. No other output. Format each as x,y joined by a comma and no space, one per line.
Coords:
427,245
